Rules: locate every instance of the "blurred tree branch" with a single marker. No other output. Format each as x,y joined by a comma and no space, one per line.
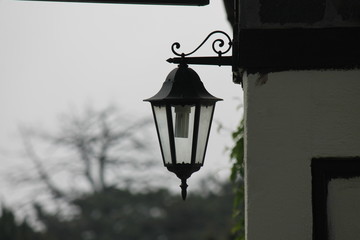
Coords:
90,148
42,174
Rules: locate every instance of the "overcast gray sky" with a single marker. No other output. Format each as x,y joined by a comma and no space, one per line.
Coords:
56,56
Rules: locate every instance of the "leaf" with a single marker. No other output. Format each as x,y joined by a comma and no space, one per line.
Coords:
236,177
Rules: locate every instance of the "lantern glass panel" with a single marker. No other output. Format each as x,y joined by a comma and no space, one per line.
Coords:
163,132
206,113
183,125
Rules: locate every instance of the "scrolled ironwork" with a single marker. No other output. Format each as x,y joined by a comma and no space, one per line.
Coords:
217,45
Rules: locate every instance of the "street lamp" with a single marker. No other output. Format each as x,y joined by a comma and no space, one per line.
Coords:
183,111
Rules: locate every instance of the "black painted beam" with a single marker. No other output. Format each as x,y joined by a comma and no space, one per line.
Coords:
143,2
272,50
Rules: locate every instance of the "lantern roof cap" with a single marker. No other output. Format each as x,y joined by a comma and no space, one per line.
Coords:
183,85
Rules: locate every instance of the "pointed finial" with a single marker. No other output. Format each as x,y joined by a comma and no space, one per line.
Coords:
183,188
170,60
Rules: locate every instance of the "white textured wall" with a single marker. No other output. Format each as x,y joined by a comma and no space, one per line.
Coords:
292,117
344,209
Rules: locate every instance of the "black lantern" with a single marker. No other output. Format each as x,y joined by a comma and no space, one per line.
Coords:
183,111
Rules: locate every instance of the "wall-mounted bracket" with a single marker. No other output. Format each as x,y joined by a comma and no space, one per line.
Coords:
220,61
220,46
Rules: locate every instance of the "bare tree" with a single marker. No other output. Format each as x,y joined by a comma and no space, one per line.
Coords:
91,151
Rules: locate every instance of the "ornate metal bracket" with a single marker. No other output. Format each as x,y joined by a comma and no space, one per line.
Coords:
217,43
220,46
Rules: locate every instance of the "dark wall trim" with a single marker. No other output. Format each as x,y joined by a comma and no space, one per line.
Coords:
289,11
323,170
272,50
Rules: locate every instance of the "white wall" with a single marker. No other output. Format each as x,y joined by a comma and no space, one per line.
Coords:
344,209
290,118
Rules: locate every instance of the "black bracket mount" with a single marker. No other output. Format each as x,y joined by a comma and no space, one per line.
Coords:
220,46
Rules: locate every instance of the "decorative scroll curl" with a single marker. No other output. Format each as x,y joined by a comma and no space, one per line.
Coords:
218,45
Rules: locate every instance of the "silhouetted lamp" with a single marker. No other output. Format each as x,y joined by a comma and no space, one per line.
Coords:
183,111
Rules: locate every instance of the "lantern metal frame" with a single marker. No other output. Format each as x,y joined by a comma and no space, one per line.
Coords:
183,87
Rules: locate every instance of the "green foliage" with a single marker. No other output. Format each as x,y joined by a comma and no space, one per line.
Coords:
159,215
237,178
10,229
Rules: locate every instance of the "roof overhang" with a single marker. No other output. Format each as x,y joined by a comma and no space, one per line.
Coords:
143,2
